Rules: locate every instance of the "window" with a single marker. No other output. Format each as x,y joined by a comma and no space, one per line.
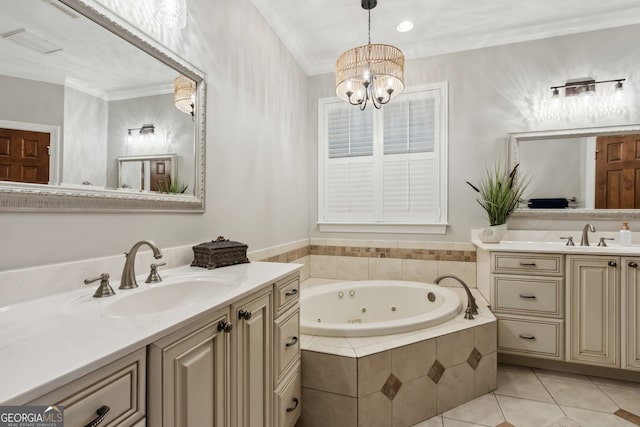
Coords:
384,170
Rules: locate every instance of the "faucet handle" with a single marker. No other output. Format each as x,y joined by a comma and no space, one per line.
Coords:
602,241
153,274
569,240
105,289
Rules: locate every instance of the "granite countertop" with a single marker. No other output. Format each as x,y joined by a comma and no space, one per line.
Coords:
558,247
51,341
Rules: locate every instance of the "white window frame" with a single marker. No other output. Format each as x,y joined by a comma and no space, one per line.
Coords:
441,148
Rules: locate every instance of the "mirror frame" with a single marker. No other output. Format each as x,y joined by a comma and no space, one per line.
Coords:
513,145
41,198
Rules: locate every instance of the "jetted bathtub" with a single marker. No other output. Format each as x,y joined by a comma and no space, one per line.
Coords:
375,307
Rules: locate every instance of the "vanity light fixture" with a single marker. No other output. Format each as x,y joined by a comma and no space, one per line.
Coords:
583,86
184,94
373,72
144,130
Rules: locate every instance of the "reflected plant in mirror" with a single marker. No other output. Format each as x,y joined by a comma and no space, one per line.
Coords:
82,92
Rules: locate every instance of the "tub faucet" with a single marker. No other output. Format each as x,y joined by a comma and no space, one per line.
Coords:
128,280
585,234
472,306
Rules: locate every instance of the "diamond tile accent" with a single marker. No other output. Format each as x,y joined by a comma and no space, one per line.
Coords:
505,424
436,371
629,416
391,387
474,358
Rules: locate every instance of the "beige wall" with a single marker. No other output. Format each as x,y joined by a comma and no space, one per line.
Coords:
256,150
492,92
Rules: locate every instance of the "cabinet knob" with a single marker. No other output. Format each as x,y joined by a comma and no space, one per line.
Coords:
102,414
291,293
291,342
244,314
612,263
632,264
224,326
295,405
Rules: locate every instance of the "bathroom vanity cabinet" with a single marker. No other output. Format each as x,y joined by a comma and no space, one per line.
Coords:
573,307
238,366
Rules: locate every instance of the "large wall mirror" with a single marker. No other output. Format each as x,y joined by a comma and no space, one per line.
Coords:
81,90
595,170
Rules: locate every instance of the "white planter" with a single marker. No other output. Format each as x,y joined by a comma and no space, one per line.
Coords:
493,233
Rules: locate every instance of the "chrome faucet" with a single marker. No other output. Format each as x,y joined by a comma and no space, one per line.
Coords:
472,306
128,280
585,234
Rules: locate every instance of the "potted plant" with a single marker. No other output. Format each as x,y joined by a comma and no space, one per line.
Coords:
499,194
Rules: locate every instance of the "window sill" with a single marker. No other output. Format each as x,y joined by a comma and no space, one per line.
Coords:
342,227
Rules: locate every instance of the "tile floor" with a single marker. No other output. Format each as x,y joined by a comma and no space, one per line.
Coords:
528,397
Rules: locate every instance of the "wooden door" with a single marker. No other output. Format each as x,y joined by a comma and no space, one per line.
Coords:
160,174
593,325
24,156
618,172
188,377
631,313
252,386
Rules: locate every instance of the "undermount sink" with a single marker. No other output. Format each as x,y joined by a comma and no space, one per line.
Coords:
166,296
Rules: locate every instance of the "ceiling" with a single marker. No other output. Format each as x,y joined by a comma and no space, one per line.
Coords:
90,59
318,31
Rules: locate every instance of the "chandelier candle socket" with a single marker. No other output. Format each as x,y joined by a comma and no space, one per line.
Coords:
370,73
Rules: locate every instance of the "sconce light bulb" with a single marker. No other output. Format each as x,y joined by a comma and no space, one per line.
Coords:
619,85
556,92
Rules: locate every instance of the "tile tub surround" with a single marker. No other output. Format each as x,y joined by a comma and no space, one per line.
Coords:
394,260
397,380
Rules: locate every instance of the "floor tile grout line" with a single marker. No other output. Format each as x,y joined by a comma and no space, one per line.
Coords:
500,406
607,394
549,392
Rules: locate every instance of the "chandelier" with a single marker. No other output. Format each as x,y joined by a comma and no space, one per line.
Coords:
373,72
184,94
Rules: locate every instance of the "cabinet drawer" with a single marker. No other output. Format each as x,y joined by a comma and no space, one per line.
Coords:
287,294
287,341
288,399
528,295
530,337
543,264
119,385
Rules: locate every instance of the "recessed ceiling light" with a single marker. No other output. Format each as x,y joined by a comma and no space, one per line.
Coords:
405,26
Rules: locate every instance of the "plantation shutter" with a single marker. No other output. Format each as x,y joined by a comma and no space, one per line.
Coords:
350,172
410,167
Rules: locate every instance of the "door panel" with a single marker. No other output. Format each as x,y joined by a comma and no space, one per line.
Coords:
24,156
617,172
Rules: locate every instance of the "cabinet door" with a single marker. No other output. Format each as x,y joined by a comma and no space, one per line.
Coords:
593,325
631,313
252,385
188,376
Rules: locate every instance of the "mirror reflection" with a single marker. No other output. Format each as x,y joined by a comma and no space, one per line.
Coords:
590,168
77,99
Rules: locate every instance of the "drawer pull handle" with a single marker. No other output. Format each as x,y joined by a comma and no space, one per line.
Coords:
291,293
612,263
527,264
526,296
224,326
293,342
295,405
102,414
244,314
527,337
632,264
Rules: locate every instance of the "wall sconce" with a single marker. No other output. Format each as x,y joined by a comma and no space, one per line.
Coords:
583,86
144,130
184,95
582,101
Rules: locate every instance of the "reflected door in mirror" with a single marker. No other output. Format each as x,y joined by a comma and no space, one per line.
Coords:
24,156
618,172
